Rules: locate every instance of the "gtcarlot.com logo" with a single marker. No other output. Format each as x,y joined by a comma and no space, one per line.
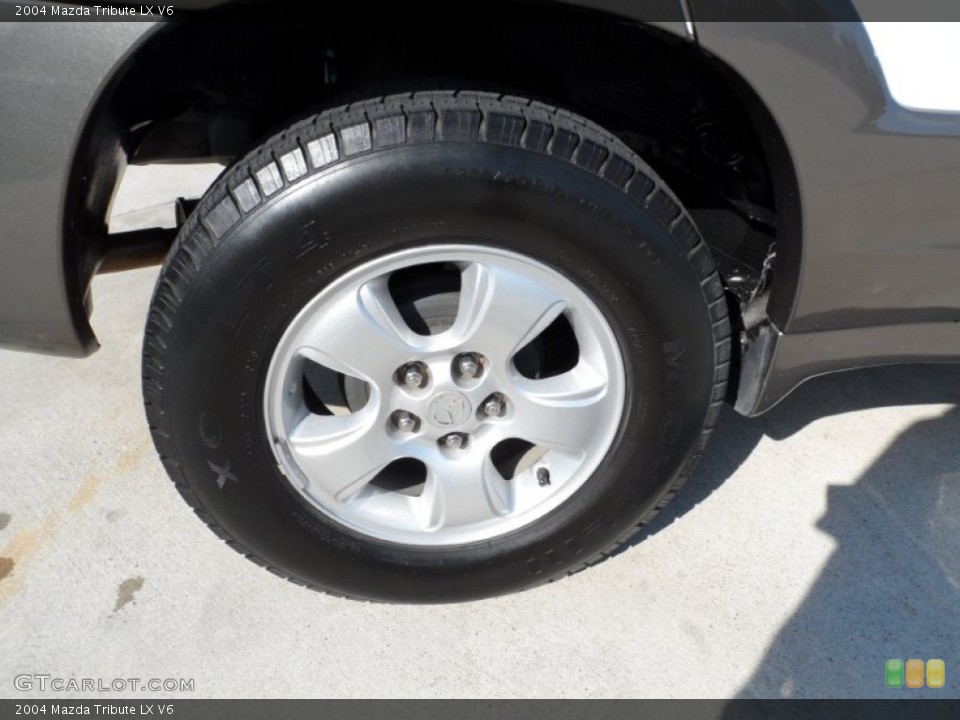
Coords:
44,683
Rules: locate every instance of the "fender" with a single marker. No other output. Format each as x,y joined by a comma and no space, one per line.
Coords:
867,274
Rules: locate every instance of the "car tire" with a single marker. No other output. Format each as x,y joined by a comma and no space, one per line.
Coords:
337,315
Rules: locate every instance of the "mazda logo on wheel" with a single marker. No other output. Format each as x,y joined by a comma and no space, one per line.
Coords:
449,409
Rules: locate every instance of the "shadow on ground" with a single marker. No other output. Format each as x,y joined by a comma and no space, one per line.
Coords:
891,589
736,436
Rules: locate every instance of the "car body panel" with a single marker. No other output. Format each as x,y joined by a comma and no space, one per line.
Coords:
872,279
50,76
878,182
868,253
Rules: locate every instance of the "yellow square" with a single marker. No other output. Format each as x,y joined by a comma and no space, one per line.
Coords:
936,673
914,673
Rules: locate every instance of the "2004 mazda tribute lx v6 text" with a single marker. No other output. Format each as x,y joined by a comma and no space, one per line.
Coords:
463,308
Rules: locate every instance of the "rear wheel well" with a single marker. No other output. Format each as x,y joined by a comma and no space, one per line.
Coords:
201,90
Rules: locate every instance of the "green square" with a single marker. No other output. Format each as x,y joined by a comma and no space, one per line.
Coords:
894,673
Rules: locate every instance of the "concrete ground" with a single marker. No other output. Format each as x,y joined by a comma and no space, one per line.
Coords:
812,545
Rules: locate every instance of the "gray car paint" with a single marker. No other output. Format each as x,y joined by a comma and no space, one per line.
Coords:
874,282
876,270
50,74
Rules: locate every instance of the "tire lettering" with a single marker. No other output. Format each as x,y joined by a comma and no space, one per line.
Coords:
223,474
210,431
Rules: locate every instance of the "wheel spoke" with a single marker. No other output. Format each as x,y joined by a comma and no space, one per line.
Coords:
562,412
361,334
461,492
500,310
341,454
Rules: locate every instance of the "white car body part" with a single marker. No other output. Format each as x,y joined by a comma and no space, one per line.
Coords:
920,62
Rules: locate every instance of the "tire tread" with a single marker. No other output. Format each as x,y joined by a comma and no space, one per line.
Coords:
414,118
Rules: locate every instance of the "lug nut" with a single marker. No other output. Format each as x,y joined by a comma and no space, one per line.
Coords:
405,422
493,406
468,365
413,378
412,375
469,368
453,441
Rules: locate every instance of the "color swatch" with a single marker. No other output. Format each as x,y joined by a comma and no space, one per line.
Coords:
898,673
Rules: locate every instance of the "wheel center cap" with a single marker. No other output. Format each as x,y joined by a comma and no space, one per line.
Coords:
449,409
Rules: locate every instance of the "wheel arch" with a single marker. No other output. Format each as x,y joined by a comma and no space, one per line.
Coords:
202,102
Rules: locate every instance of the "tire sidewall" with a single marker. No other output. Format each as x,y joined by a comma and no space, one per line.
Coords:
261,273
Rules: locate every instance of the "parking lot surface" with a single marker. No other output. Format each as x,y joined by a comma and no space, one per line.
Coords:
812,544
